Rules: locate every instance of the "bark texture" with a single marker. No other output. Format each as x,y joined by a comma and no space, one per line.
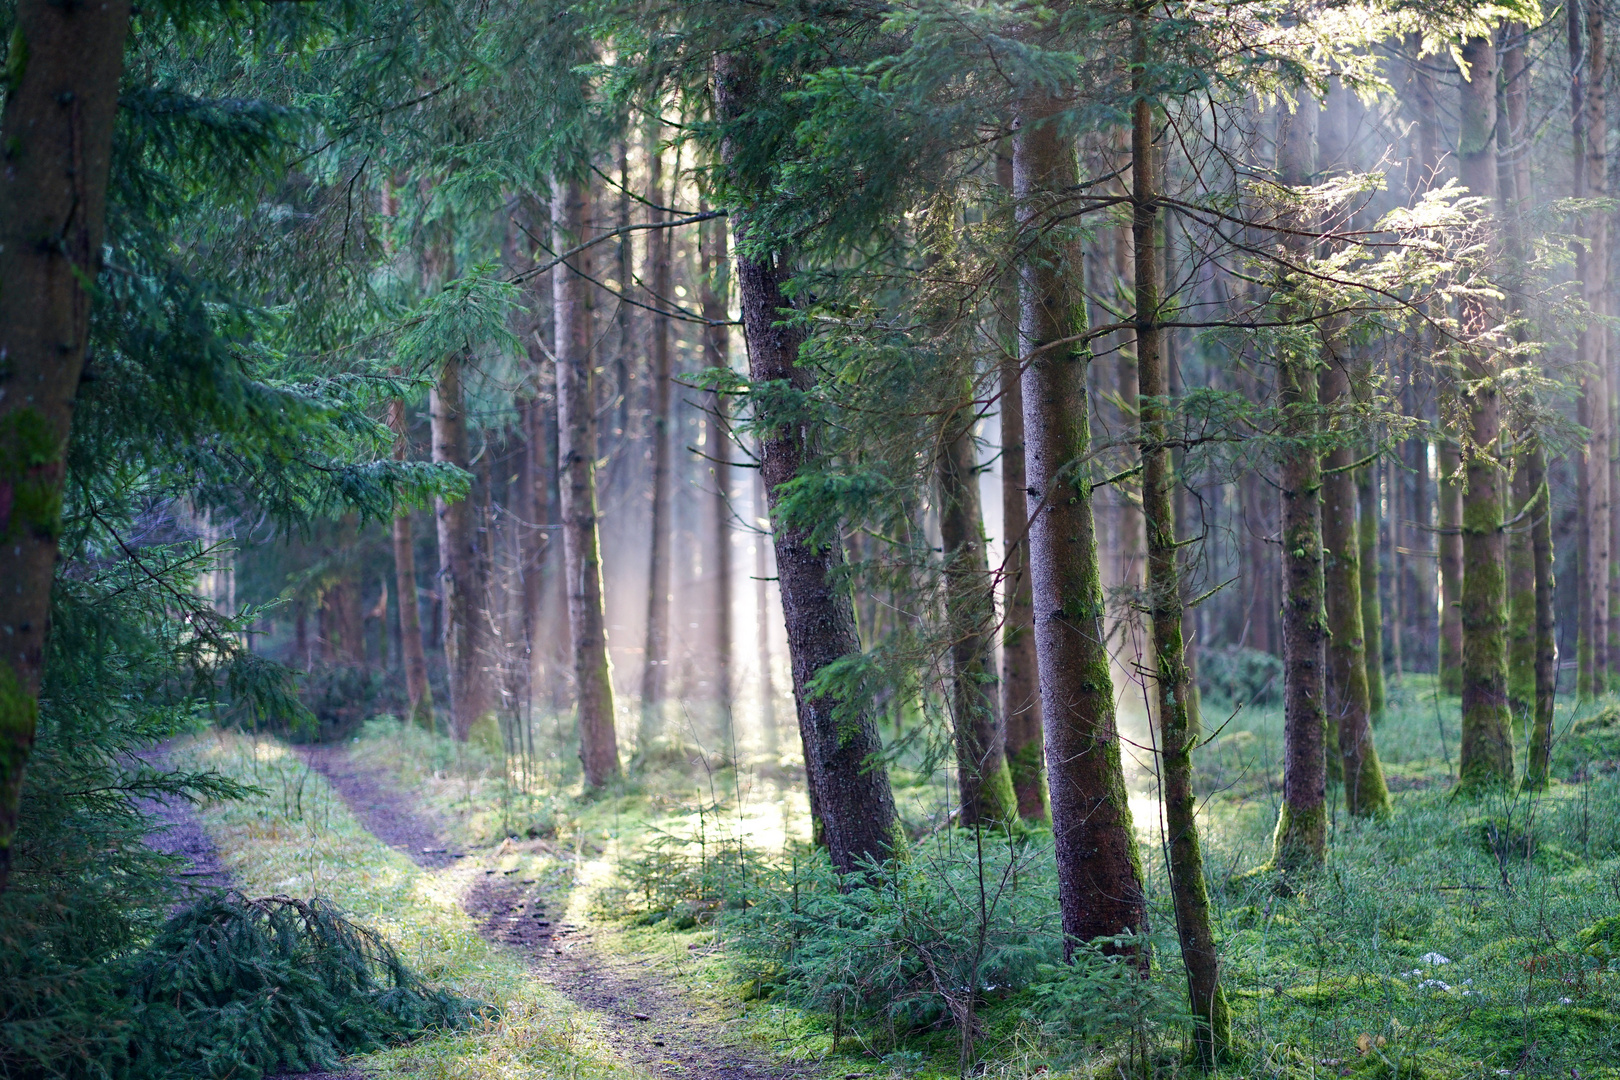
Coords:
849,785
1449,543
717,354
984,783
1301,831
1099,870
464,636
655,672
413,655
66,60
1178,716
1541,727
1372,608
576,434
1487,737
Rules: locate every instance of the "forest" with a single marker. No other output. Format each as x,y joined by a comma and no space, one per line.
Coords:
629,539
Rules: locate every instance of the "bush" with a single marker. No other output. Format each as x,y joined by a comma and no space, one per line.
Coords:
1237,674
236,988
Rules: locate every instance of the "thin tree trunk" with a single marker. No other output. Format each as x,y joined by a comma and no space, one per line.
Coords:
1449,542
582,560
1178,720
410,612
717,354
655,673
1372,609
1487,736
1301,832
54,185
1521,683
983,781
762,621
1593,478
849,785
1541,728
1020,687
1098,865
458,559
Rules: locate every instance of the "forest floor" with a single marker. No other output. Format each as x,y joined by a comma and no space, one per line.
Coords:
1444,944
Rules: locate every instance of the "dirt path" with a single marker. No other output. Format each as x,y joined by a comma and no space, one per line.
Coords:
648,1022
183,836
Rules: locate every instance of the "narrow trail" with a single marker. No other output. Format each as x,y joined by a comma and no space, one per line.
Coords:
647,1021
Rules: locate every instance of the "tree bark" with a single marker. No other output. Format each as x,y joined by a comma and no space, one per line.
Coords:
464,634
576,428
1541,726
1099,868
1178,719
1020,687
57,127
983,780
417,688
717,354
1593,477
762,621
1487,737
655,672
1301,832
849,785
1372,609
1450,546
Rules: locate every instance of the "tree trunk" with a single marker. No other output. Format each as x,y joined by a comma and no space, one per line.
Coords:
410,613
1521,576
655,673
1372,610
1593,477
717,354
1450,545
1541,728
983,780
1301,832
762,621
1099,869
1487,736
849,784
458,559
1020,688
1178,720
61,101
576,431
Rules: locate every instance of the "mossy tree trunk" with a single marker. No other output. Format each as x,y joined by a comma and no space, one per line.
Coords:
414,656
1448,542
1301,834
1372,608
1020,686
1487,738
54,185
655,664
983,780
576,462
1541,727
849,785
1098,865
1178,716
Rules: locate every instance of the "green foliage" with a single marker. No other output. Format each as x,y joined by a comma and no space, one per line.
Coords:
234,987
1241,676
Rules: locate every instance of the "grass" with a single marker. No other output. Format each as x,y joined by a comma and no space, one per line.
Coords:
1442,944
299,838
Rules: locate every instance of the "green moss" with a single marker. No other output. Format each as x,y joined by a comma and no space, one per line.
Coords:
1334,991
29,446
19,720
1298,840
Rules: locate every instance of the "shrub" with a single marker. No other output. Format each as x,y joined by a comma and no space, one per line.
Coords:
234,987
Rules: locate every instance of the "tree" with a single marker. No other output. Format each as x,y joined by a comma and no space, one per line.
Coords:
1487,732
655,672
717,354
1178,717
1099,868
61,102
576,412
459,580
1301,834
849,785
